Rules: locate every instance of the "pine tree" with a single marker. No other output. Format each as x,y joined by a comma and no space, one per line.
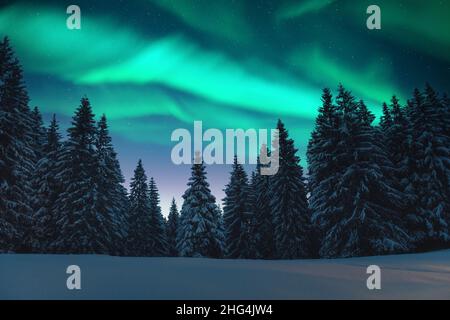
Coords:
445,114
237,214
429,172
361,214
171,229
398,134
322,168
16,155
47,191
397,141
386,119
139,220
364,114
199,231
219,232
39,134
112,201
321,146
157,232
263,218
82,228
288,202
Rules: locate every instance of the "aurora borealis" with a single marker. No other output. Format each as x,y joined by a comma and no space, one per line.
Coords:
156,65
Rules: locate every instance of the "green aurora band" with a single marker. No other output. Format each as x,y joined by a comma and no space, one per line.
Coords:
118,65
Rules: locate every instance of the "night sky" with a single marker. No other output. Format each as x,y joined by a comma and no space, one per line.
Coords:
156,65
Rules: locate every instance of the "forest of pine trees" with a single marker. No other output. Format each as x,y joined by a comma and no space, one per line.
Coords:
370,189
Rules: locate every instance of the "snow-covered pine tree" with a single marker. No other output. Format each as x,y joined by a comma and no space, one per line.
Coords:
320,146
446,114
391,165
322,168
82,229
397,142
440,106
39,133
237,214
139,220
429,173
288,202
157,233
362,218
263,219
171,229
253,237
199,229
398,135
219,232
47,191
252,223
364,114
112,201
16,155
386,118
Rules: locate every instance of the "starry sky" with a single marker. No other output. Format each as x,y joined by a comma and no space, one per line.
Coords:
153,66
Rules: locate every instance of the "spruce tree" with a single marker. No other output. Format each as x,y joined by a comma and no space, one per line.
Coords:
386,119
219,232
263,218
82,228
445,114
361,216
237,214
288,202
322,168
322,144
364,114
429,172
112,201
139,221
47,191
39,134
171,229
397,143
398,134
199,233
17,155
157,232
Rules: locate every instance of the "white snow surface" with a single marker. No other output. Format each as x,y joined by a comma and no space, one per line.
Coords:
409,276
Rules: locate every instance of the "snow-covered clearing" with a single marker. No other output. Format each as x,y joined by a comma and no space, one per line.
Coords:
413,276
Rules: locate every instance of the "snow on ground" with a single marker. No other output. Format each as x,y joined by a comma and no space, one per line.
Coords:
413,276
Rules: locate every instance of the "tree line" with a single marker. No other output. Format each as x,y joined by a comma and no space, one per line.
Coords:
369,189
